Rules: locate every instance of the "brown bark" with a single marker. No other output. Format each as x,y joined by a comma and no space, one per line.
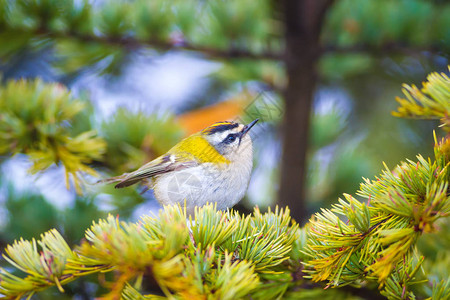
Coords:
303,20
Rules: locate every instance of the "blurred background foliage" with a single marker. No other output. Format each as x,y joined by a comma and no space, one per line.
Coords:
117,83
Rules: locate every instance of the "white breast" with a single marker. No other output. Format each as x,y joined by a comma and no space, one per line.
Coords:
225,184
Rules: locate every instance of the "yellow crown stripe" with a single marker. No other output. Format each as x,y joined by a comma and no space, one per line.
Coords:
221,123
217,124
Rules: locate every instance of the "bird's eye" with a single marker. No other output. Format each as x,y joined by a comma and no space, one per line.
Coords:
230,138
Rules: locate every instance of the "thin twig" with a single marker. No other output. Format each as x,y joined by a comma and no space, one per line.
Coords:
235,53
384,49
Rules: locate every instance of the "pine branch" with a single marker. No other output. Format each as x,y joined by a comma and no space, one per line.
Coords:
208,262
129,26
35,119
44,268
432,101
44,121
402,205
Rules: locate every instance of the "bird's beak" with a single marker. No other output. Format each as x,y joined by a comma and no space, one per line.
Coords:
248,127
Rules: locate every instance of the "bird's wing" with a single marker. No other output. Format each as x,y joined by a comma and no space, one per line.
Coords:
163,164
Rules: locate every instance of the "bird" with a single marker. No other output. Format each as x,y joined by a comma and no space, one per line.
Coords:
213,165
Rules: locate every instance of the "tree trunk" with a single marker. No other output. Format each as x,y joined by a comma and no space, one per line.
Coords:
303,21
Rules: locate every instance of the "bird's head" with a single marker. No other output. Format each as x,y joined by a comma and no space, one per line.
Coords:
230,139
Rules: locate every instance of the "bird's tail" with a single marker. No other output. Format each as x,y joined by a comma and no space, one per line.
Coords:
122,181
110,180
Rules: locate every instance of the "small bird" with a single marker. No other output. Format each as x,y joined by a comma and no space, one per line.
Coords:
213,165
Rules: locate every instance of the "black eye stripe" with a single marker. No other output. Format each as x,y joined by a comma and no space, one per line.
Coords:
230,138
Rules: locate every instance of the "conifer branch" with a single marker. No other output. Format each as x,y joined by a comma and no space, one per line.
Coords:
402,205
110,30
432,101
228,266
35,119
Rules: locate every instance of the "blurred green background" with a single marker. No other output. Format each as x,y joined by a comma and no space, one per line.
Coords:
149,72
